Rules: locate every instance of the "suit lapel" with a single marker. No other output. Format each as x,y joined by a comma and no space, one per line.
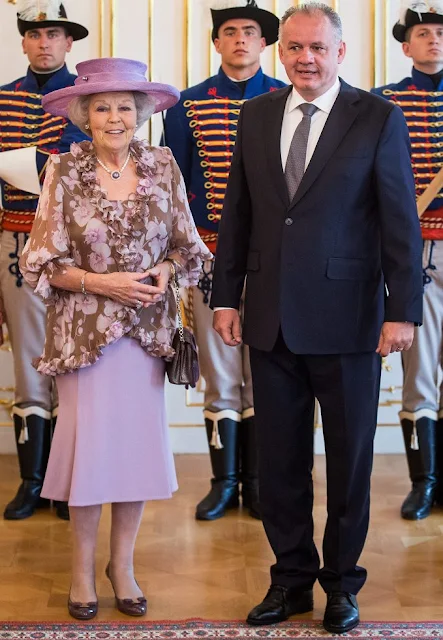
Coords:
272,134
340,120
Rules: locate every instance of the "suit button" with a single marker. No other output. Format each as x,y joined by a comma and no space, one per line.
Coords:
289,221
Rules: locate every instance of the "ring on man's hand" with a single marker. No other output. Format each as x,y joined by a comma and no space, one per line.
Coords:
138,304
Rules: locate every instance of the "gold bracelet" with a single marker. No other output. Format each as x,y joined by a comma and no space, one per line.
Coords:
82,284
172,268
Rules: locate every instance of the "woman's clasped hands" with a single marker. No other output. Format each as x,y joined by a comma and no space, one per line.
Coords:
139,289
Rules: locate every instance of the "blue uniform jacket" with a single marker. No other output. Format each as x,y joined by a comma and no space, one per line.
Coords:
23,123
422,106
201,131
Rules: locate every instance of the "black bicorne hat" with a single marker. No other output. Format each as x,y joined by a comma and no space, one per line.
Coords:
414,12
39,14
226,10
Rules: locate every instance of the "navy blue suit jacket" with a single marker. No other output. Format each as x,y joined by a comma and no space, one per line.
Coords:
320,267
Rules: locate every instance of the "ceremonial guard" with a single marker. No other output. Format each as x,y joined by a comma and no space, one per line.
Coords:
201,132
420,30
28,136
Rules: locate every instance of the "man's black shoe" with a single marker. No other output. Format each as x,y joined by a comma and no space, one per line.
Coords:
341,612
279,604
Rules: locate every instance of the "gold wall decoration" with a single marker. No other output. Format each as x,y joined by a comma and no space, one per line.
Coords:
276,57
101,25
12,1
150,57
381,42
187,58
387,39
112,11
188,397
375,40
210,53
150,39
7,403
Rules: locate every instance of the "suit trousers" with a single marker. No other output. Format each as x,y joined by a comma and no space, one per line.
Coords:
347,388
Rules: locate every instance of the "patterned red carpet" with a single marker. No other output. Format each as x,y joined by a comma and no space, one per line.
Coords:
209,630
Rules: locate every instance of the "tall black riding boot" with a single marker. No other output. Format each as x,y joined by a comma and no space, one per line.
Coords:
420,443
32,434
224,490
439,457
249,467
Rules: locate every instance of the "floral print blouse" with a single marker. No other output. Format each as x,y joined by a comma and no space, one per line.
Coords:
77,225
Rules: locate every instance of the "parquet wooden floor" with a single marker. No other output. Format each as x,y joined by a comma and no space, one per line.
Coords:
219,569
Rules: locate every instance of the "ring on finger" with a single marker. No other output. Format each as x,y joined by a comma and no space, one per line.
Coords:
138,304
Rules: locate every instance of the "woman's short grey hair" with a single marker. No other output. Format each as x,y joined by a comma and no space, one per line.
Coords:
78,110
311,9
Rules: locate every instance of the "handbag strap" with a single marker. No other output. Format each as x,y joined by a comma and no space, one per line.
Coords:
176,291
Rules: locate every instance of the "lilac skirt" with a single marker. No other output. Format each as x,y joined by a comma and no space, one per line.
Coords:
111,441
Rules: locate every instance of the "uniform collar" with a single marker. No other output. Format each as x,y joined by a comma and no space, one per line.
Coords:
60,79
324,103
234,89
424,81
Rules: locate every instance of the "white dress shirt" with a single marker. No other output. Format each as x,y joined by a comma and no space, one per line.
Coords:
293,116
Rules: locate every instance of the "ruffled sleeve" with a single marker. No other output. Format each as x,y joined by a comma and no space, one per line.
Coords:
48,245
185,238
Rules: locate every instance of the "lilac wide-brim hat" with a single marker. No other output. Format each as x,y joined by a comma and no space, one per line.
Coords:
103,75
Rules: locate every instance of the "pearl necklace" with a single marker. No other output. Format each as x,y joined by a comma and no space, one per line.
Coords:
117,173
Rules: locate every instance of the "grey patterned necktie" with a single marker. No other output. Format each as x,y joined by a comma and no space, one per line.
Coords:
295,164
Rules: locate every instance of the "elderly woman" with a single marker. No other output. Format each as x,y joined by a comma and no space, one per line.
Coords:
112,228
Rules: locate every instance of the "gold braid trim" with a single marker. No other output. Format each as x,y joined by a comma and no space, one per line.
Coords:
214,101
24,125
216,143
427,145
8,198
216,165
420,124
421,114
28,116
195,123
427,165
212,112
415,103
32,136
215,154
202,133
437,154
17,145
22,104
22,94
412,92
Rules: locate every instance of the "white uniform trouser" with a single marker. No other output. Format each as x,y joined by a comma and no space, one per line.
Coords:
25,319
422,364
226,370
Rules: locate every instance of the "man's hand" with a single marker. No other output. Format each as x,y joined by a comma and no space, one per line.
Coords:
395,336
228,326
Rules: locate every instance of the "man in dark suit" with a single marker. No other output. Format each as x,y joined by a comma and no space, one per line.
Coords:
320,217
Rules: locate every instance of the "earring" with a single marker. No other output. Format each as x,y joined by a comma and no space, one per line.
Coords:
86,126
